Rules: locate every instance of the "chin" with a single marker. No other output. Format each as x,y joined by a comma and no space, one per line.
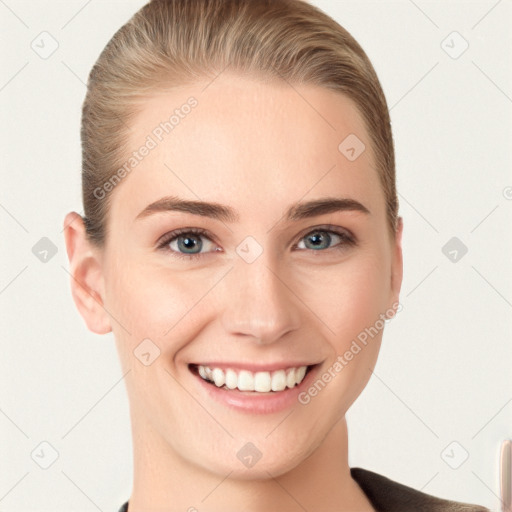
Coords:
259,459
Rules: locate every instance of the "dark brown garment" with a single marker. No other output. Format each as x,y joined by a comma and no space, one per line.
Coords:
386,495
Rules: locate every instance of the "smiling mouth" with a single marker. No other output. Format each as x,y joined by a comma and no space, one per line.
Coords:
258,382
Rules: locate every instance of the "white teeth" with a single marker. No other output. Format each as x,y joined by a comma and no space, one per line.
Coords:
218,377
300,373
245,381
262,382
290,378
278,380
231,379
202,372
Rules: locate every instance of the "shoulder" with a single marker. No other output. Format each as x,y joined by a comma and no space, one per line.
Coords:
388,495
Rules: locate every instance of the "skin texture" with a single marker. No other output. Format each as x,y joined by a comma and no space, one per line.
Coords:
258,147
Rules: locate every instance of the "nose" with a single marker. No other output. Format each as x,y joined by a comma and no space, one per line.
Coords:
260,303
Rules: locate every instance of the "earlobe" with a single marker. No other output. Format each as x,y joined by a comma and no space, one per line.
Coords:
87,284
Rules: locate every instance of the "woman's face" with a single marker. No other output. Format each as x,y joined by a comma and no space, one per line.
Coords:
272,285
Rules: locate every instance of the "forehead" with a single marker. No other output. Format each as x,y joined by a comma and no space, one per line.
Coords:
255,145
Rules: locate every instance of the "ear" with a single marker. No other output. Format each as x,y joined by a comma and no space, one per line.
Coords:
87,283
397,269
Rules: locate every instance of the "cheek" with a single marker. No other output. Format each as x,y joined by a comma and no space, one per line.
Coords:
149,301
351,298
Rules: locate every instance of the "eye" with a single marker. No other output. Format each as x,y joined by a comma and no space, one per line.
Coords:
321,238
187,240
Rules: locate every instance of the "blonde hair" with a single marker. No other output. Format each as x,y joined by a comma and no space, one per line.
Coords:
173,42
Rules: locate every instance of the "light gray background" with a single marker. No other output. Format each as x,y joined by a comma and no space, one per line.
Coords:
445,365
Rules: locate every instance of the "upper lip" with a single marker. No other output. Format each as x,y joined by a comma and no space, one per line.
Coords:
252,367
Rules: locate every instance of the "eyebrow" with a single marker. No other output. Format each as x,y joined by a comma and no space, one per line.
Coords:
296,212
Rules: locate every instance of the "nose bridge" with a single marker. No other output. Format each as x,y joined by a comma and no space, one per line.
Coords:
259,302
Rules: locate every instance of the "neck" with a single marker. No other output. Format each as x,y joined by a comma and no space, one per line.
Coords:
163,481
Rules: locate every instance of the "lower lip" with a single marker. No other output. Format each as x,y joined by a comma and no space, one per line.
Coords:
255,402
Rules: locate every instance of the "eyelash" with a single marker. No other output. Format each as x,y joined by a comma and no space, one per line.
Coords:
170,237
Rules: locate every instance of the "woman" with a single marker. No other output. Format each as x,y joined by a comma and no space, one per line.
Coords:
241,238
